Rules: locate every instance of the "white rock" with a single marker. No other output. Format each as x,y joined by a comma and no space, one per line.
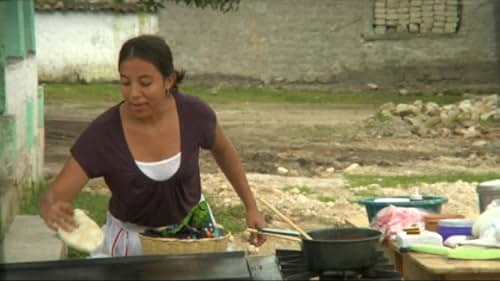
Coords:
302,199
352,167
330,169
282,170
479,143
372,86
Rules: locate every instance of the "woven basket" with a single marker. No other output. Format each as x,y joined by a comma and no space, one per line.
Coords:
174,246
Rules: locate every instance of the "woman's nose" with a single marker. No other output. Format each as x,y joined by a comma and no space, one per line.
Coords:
135,91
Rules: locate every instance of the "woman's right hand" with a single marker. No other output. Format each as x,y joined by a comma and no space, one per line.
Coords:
56,213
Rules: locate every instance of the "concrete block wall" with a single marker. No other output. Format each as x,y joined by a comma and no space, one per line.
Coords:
425,16
333,42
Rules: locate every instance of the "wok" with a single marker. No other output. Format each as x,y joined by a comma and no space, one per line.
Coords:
335,248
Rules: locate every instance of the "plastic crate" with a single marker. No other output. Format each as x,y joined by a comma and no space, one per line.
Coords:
430,204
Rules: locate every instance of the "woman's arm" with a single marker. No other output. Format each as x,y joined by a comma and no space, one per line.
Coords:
55,203
228,160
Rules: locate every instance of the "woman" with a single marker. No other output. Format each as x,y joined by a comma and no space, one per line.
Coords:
146,148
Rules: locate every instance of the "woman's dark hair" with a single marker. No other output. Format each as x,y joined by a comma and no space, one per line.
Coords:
155,50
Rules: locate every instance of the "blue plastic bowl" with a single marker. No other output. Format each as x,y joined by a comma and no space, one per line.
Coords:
430,204
450,227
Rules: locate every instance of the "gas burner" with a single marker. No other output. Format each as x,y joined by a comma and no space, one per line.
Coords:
293,266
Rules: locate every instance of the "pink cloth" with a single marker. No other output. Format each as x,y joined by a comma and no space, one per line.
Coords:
391,219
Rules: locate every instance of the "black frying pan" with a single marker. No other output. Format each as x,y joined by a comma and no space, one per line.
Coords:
336,248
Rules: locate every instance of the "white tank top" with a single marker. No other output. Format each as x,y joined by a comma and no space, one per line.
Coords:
161,170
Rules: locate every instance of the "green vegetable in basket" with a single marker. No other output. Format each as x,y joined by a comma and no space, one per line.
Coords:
196,222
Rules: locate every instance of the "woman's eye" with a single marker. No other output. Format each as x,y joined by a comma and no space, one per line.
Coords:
146,84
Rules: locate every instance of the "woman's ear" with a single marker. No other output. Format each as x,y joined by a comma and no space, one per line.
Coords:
170,82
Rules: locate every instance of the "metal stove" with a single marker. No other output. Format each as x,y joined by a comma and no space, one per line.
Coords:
284,265
293,266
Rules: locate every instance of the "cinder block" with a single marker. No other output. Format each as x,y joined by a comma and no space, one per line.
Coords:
402,28
391,23
450,26
427,14
405,17
439,7
438,30
392,3
392,16
451,19
438,24
404,4
427,9
379,14
413,27
451,14
427,20
403,10
440,13
379,29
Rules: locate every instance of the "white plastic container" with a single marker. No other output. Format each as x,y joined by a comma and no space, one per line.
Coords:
404,240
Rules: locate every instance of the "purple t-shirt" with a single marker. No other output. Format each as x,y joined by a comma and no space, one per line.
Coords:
102,151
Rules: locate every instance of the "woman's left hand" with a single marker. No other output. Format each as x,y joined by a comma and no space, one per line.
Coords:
257,221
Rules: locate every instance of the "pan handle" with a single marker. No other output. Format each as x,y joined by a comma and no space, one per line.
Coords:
269,232
286,219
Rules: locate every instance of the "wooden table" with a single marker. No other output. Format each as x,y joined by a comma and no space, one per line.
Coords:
421,266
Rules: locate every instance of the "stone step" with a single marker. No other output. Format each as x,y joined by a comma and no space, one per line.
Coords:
29,239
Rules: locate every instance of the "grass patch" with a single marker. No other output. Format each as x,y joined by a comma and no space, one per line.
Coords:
90,94
368,192
232,218
408,181
98,93
29,205
326,199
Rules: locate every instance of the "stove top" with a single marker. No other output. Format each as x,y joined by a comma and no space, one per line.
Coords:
210,266
293,266
284,265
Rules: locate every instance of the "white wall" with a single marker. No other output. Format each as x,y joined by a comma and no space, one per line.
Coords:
84,46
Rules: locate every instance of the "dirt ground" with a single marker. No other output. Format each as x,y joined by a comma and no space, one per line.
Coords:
298,155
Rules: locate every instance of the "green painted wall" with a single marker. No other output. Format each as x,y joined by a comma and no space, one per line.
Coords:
17,28
2,82
22,130
17,35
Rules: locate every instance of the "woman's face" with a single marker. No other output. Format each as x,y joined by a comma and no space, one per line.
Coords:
143,87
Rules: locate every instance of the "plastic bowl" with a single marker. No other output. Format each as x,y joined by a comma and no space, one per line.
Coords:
450,227
430,204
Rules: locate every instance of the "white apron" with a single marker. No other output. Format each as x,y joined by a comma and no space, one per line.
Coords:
122,238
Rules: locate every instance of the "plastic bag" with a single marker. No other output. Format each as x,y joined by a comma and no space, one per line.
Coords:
391,220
